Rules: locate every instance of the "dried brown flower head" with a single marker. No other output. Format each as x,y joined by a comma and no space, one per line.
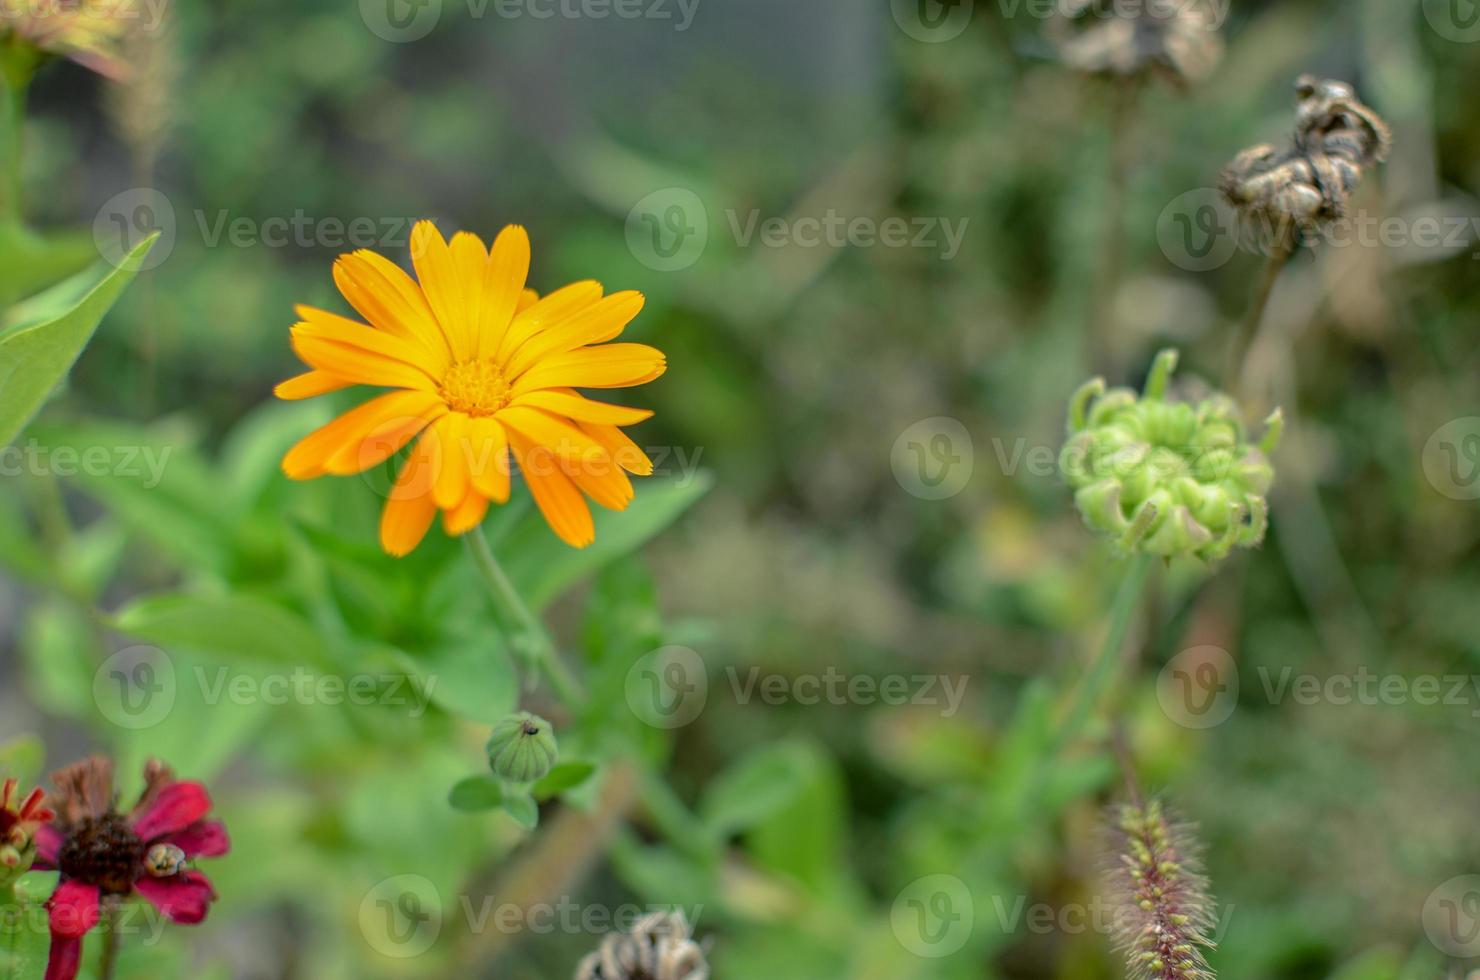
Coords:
1284,197
659,947
1163,911
1177,39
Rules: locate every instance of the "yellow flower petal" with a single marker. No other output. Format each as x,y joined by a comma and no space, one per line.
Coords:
564,401
439,281
628,454
410,510
331,326
607,366
601,321
488,459
357,365
545,313
309,385
557,497
310,457
382,293
466,515
558,435
452,483
503,287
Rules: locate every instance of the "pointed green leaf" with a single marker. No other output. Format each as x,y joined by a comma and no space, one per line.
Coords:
35,357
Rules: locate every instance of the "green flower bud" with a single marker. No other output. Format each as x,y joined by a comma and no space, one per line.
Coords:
14,862
1165,477
522,748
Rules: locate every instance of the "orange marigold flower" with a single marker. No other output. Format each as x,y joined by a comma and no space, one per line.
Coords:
482,368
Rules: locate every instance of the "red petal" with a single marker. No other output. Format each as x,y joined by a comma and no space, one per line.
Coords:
73,909
65,958
48,846
176,807
205,839
184,897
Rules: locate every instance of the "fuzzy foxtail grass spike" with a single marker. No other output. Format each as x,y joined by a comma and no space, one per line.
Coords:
1164,914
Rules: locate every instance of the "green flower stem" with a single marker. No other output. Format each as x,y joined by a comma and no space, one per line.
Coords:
11,923
1248,329
18,63
108,967
1092,689
510,603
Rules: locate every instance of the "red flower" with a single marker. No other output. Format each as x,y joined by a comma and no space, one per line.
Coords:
18,825
105,856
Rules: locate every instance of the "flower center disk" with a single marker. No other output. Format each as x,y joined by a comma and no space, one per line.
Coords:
102,851
475,387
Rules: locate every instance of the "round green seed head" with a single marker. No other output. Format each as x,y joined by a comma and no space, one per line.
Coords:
522,748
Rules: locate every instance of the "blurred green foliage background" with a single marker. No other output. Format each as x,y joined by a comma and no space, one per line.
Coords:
793,372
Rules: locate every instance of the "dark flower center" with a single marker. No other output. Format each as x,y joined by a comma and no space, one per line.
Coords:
102,851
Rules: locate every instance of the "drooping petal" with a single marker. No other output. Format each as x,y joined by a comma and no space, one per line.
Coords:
503,287
310,384
382,293
65,959
564,401
174,808
331,326
545,313
451,483
48,845
410,510
606,366
628,454
466,515
603,481
488,462
558,498
603,320
358,365
206,838
184,898
73,908
343,440
559,435
437,273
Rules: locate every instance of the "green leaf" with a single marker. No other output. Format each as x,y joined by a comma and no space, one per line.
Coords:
472,679
523,809
542,566
229,626
25,941
30,261
476,794
759,785
35,357
565,776
807,838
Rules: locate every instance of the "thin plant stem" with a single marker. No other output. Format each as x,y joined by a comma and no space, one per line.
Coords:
508,601
109,964
1092,689
17,64
1253,321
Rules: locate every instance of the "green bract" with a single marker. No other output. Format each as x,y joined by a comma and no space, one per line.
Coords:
1167,478
522,748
